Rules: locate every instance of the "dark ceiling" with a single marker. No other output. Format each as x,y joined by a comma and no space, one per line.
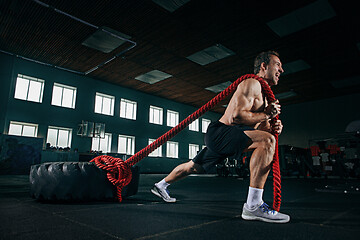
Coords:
164,39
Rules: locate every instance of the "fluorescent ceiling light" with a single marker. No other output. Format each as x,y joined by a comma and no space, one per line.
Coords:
104,41
285,95
219,87
210,54
347,82
170,5
295,66
302,18
153,77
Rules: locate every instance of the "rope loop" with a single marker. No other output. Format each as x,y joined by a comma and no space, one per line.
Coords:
118,172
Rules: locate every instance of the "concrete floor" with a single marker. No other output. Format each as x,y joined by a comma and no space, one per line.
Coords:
208,207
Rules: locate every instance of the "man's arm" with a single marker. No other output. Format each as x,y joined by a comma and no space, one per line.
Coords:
267,127
245,97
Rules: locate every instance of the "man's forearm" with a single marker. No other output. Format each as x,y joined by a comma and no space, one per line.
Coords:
251,118
264,126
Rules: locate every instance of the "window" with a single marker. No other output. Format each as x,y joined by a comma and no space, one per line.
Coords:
128,109
59,137
23,129
102,144
194,126
204,124
172,118
29,88
156,115
172,149
193,150
63,96
157,152
104,104
126,145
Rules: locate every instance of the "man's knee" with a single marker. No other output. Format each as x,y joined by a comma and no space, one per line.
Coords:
193,167
269,142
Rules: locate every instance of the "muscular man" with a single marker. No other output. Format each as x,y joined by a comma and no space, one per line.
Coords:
244,126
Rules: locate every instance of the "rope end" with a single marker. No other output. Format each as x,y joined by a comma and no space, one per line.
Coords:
118,172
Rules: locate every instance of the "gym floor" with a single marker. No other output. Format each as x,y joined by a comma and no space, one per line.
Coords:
208,207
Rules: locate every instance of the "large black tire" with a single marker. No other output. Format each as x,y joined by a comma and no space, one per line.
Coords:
75,181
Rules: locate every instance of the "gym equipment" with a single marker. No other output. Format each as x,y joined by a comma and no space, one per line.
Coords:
119,171
231,167
75,181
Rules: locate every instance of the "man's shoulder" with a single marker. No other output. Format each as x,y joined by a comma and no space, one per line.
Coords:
250,84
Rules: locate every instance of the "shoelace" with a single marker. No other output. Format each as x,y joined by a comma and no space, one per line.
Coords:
265,208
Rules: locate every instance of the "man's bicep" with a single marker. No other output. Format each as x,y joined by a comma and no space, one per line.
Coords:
243,105
244,102
247,94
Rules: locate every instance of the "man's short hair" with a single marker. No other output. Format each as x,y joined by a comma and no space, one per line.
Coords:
263,57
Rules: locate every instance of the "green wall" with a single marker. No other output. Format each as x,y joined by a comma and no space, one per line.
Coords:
302,122
44,114
322,119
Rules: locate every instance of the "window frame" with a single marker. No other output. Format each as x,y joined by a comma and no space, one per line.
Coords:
157,152
194,126
151,115
112,103
63,86
69,130
191,153
28,90
23,124
108,143
207,121
168,145
168,118
127,137
127,103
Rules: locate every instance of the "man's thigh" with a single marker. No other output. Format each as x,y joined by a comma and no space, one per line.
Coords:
257,137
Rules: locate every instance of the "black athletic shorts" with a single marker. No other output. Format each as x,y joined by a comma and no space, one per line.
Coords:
222,141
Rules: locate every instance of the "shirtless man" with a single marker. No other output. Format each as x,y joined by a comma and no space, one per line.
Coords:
243,127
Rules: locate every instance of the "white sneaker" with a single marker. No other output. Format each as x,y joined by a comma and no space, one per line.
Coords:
162,193
264,213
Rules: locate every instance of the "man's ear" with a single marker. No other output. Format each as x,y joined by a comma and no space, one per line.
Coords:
263,66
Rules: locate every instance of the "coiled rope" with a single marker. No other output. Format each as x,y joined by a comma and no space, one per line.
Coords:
119,171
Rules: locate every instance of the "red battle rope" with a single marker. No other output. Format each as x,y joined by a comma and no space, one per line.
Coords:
122,169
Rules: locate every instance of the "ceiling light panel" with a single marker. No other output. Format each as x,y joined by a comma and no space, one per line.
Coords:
211,54
302,18
105,42
171,5
153,77
347,82
219,87
295,66
285,95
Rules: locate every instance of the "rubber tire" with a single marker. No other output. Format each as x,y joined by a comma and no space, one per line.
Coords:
75,181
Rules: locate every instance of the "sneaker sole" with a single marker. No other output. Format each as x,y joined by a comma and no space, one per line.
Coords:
158,194
246,217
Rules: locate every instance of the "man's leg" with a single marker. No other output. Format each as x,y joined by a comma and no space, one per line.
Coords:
263,144
179,172
182,171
